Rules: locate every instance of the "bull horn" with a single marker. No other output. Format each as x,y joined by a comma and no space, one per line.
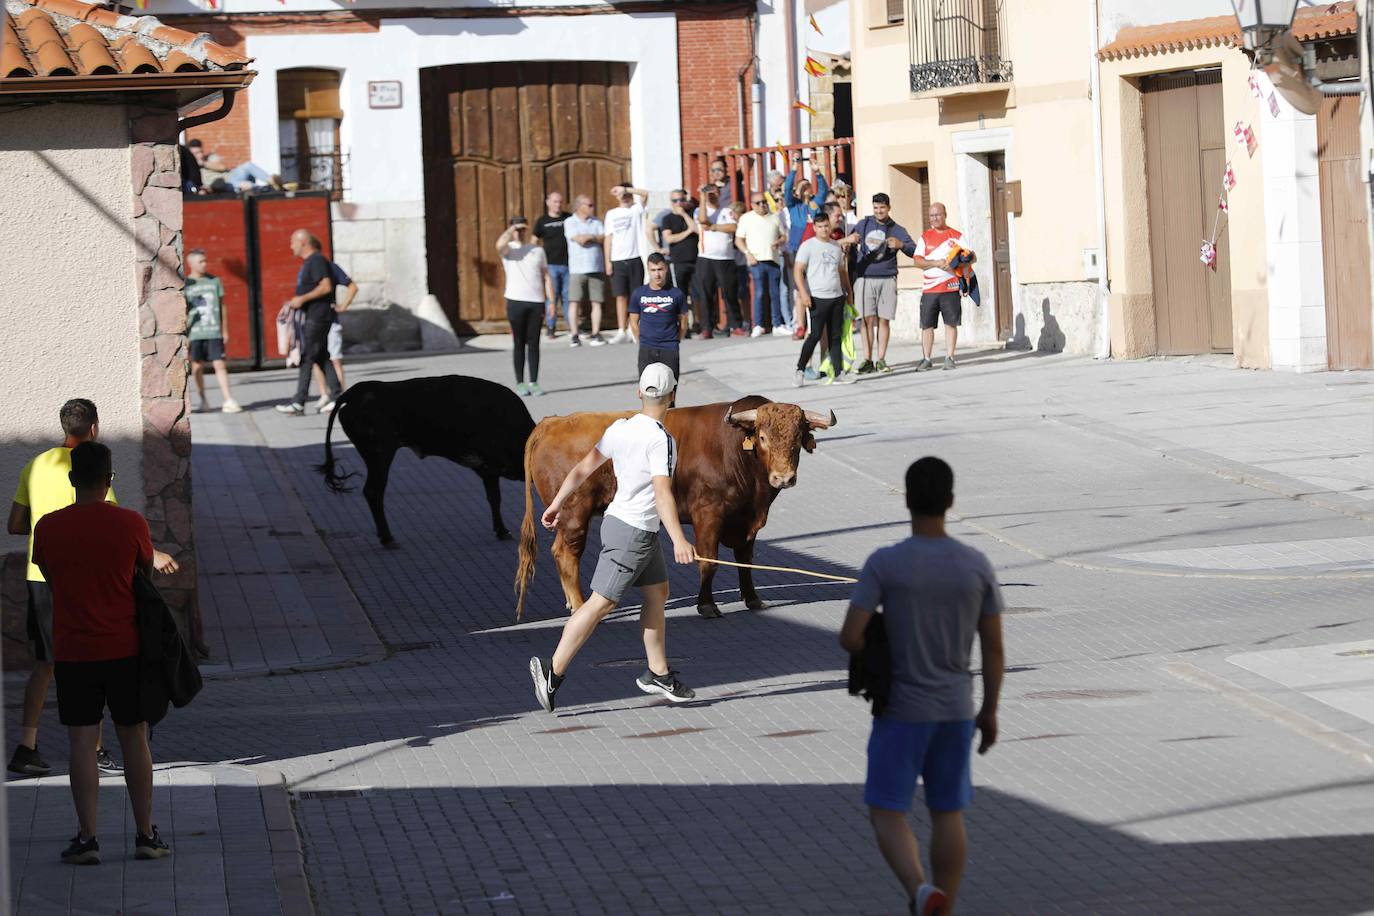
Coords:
816,421
743,416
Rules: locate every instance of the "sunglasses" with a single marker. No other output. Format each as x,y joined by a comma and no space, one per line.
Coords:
679,200
760,203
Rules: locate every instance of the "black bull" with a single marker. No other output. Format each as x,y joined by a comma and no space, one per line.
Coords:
471,421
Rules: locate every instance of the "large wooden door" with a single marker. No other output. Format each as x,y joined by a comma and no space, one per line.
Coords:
497,138
1001,245
1185,157
1345,235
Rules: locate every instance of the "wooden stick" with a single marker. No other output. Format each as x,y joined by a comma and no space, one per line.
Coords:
791,569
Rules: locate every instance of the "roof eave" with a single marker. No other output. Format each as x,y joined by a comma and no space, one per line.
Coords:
208,82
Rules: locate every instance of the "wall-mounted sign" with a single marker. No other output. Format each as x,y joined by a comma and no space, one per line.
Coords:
384,94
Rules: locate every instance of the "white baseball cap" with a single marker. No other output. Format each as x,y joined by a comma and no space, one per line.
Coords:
657,380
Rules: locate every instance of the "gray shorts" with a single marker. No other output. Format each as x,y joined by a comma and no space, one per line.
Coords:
876,296
586,287
629,556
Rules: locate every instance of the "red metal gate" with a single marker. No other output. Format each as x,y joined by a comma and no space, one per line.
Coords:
247,242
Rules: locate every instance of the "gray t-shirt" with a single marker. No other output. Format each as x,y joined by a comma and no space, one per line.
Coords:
822,261
932,592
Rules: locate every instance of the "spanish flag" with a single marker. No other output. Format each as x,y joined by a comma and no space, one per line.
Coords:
802,106
815,67
812,20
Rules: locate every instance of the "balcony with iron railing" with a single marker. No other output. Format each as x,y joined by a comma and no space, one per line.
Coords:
958,45
316,171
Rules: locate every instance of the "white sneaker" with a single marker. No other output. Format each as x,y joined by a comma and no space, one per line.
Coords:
232,406
618,338
325,406
757,332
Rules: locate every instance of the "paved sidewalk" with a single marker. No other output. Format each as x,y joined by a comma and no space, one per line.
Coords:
272,596
230,854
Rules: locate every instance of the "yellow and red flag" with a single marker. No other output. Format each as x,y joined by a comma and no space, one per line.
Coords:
802,106
815,67
812,20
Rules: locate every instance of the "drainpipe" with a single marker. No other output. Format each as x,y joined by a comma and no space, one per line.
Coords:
744,94
793,115
1104,332
226,106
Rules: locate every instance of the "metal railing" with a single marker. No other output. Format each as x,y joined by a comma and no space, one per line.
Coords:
317,171
957,43
750,167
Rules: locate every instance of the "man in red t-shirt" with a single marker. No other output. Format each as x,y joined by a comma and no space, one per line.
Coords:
88,553
940,297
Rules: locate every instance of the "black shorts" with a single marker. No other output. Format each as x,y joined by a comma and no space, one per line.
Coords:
650,355
40,621
207,351
626,276
84,689
946,305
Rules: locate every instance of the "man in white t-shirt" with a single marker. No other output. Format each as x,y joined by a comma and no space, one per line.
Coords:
643,456
716,270
626,242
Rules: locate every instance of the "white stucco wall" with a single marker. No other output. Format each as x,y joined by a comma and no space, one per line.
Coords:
1119,14
778,92
68,299
384,145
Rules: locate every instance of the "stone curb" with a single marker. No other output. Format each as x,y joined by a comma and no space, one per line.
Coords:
1234,471
288,860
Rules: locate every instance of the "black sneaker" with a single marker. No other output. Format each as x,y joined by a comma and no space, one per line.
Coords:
150,847
666,684
26,762
543,684
865,368
107,764
82,852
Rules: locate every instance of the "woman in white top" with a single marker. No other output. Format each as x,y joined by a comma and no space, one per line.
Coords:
527,289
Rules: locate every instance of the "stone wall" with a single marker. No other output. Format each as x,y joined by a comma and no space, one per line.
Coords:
382,247
163,349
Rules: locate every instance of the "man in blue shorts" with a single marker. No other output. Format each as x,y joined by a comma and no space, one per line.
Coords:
643,456
935,594
658,317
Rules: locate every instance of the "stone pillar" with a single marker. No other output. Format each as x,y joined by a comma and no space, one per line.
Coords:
164,350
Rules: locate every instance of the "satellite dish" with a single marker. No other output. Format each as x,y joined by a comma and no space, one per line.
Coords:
1290,79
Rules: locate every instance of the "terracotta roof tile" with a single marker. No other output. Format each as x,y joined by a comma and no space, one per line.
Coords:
71,38
1311,23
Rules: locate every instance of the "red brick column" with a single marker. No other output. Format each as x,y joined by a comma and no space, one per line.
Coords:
164,350
712,46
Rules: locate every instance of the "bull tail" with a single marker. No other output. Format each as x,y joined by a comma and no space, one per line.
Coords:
332,478
529,545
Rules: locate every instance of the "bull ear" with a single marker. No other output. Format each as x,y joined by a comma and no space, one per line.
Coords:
809,443
745,418
816,421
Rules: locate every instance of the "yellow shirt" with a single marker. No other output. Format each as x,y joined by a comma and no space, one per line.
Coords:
44,488
759,234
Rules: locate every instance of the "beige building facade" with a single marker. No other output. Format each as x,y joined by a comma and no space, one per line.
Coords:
976,114
1100,253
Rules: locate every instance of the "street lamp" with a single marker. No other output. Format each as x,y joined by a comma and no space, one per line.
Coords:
1266,28
1263,21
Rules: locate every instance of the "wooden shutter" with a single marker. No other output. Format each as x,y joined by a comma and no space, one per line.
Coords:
896,10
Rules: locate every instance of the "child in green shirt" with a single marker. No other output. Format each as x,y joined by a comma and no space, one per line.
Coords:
205,328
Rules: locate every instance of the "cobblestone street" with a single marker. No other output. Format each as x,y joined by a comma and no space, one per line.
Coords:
1188,715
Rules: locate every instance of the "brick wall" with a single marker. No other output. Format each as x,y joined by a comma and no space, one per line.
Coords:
229,136
712,46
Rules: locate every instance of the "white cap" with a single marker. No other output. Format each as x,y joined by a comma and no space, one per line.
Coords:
657,380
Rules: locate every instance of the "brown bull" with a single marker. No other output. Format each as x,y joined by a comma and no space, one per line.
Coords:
733,461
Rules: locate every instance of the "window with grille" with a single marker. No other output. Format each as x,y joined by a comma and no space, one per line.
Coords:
308,116
896,11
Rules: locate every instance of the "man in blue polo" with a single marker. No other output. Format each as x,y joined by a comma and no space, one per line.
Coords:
658,317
